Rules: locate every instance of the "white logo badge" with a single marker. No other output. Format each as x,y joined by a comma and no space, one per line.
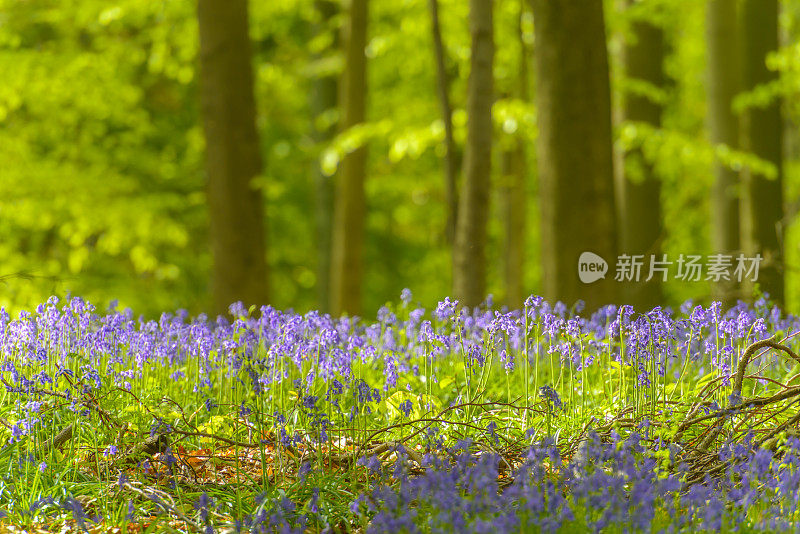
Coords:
591,267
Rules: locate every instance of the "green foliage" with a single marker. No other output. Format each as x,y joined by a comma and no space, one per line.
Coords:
101,144
100,152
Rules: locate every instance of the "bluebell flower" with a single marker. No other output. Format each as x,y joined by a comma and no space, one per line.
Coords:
551,396
405,407
72,504
204,504
445,309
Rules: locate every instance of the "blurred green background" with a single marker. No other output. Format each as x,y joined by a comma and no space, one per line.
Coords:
102,146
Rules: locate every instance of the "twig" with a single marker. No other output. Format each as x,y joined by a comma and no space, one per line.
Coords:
794,420
160,500
748,354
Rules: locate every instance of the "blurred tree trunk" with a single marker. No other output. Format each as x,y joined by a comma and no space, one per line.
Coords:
233,159
514,194
349,206
469,250
450,153
723,84
324,98
762,198
574,148
514,198
639,188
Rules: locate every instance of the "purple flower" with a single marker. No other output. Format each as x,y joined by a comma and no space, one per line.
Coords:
203,504
405,407
445,309
533,301
405,296
314,500
237,309
551,396
75,507
760,328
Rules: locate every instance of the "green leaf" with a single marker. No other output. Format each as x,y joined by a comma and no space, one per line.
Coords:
394,401
445,382
703,382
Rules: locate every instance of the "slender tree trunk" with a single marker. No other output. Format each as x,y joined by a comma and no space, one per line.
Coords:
236,209
324,99
350,205
723,85
514,199
641,229
574,148
469,251
762,199
514,194
450,154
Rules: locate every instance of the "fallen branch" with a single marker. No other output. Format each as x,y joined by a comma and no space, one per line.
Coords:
144,449
57,441
699,454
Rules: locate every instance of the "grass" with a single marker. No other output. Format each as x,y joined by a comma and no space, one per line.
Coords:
440,421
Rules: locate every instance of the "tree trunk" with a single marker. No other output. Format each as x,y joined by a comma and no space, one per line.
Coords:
469,251
723,84
514,199
641,230
514,194
233,159
450,155
762,199
574,148
349,207
324,98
